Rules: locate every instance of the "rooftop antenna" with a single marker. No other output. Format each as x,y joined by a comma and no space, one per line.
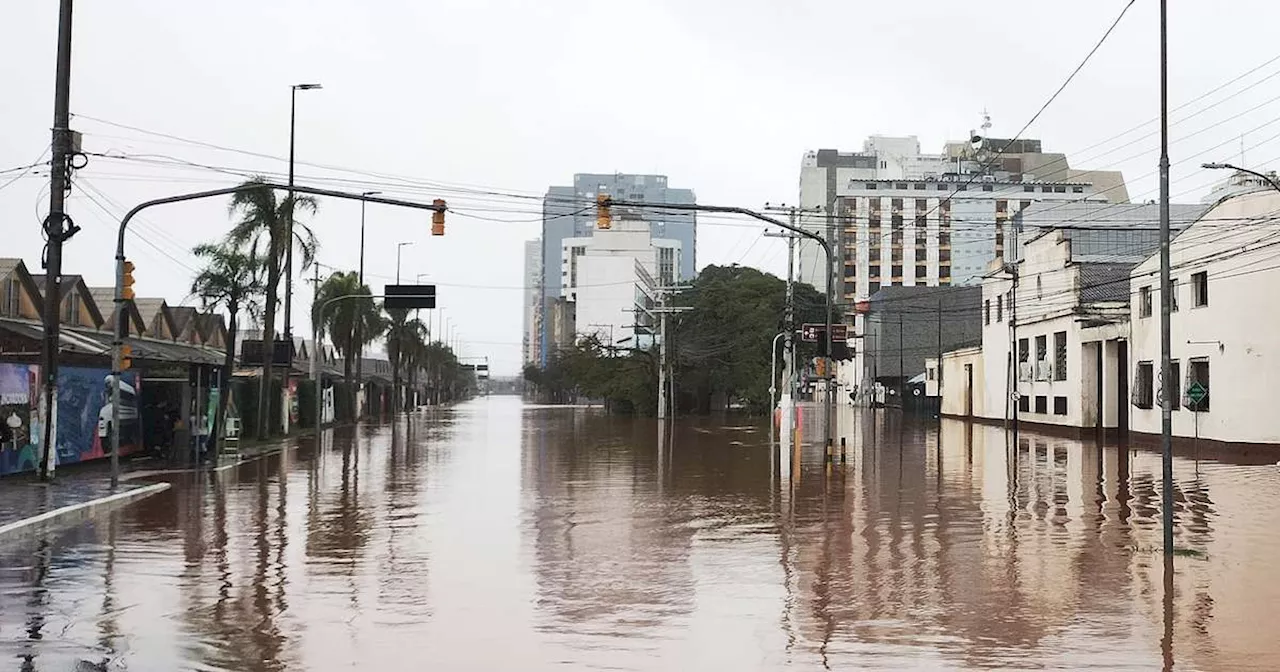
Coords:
986,123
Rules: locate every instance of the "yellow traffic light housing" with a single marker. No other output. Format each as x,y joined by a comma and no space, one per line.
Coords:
126,357
126,285
604,217
437,218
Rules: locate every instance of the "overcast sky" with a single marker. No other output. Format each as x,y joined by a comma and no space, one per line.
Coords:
453,98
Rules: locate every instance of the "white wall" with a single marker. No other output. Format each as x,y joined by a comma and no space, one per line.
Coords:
1235,244
955,384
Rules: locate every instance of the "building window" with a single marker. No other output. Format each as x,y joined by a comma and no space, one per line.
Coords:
1175,382
1042,357
1059,190
942,187
1144,302
922,272
1028,187
900,185
1200,374
1059,405
1024,403
1042,404
1200,289
1024,350
1046,190
871,186
1143,386
874,270
1000,308
12,299
1059,355
918,186
873,287
1173,295
986,311
1077,190
897,271
987,187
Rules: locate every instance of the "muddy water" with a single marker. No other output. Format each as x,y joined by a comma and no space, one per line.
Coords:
497,537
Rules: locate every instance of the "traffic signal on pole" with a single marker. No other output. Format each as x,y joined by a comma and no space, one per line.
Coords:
437,218
126,357
126,285
604,218
820,367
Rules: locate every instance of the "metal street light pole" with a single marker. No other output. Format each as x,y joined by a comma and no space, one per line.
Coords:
1166,304
400,246
359,323
288,249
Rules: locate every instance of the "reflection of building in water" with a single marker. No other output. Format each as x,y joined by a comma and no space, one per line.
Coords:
1008,549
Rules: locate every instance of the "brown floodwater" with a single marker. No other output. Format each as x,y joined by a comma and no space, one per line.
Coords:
495,536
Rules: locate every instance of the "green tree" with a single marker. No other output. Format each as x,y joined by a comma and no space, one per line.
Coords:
261,229
405,337
350,323
232,281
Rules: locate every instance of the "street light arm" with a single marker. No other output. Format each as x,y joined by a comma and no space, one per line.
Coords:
1219,166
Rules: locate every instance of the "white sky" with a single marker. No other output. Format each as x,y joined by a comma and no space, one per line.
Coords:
723,96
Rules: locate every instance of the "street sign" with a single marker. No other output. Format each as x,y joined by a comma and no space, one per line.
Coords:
406,297
1197,393
812,333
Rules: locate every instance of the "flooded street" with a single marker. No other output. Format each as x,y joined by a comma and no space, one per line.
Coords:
496,536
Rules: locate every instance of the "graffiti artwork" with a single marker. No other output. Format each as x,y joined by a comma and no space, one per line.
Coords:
83,402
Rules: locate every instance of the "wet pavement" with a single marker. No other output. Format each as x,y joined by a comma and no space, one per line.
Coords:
495,536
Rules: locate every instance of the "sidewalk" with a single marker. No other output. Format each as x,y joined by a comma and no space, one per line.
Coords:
80,490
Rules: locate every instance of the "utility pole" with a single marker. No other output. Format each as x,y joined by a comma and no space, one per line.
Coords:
937,368
786,403
359,322
57,234
664,366
1166,347
902,373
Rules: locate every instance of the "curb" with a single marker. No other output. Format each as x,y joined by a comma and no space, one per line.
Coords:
74,513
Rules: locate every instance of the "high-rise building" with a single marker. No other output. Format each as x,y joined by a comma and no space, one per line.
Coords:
570,212
532,298
897,217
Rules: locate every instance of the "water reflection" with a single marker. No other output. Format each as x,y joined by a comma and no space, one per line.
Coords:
493,536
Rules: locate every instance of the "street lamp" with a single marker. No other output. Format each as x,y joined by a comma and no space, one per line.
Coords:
1227,166
288,254
400,246
363,202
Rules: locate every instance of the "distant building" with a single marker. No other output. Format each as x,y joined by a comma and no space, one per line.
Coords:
897,217
612,277
570,212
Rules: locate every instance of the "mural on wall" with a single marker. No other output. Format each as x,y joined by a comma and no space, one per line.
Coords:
19,417
84,412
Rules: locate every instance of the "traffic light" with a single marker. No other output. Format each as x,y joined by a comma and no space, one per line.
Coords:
437,218
126,285
126,357
604,218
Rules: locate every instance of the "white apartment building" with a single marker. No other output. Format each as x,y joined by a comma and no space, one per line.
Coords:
1224,279
895,216
532,300
612,276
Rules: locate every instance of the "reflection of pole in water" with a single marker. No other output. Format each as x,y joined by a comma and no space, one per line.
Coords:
1166,641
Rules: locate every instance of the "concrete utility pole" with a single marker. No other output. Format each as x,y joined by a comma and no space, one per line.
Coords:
56,234
1166,348
360,323
786,403
664,366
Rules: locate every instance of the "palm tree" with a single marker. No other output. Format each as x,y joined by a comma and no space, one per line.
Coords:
230,280
351,324
405,338
262,230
